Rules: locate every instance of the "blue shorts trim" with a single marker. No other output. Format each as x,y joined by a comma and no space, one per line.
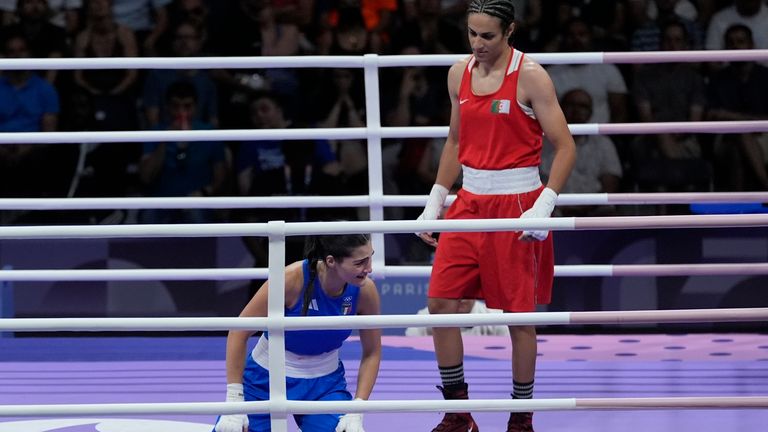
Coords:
331,387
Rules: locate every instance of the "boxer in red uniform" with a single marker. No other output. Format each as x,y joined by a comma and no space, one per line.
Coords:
501,104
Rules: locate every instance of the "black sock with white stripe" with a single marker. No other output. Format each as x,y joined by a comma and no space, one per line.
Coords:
522,390
452,376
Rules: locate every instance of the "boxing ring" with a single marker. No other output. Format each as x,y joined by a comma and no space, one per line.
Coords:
658,382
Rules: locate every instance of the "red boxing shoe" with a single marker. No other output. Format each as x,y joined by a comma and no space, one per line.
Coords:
456,422
520,422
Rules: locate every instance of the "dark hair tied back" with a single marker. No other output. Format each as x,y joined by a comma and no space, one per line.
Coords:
316,248
504,10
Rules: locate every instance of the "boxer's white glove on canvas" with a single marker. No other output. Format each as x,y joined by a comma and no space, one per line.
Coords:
352,422
233,422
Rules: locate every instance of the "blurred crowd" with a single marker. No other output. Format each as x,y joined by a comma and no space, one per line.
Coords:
107,100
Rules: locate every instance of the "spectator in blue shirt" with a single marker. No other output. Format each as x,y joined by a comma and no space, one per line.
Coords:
29,103
187,42
182,168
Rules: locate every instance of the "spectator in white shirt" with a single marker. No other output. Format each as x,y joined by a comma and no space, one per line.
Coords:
751,13
603,82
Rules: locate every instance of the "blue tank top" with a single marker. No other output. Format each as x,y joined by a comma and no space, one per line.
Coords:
315,342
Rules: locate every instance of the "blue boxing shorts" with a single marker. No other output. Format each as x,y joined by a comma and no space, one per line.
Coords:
331,387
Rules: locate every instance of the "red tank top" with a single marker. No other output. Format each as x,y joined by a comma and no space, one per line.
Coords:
495,133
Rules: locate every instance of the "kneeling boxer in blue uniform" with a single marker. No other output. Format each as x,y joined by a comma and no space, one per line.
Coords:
331,281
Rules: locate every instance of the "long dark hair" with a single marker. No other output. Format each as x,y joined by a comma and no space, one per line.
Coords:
316,248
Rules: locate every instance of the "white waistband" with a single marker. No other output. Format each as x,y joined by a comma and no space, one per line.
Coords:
298,366
496,182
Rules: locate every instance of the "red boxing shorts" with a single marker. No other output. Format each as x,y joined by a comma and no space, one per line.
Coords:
510,274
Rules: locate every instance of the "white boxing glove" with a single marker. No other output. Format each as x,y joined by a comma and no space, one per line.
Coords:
233,422
434,206
351,422
542,208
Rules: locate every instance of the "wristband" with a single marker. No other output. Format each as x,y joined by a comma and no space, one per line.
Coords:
235,392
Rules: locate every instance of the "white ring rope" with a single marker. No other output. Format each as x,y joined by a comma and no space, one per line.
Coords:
226,274
277,231
659,198
390,227
311,201
310,407
601,128
383,321
358,133
360,61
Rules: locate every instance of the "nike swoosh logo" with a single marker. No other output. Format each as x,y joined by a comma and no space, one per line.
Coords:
471,427
461,102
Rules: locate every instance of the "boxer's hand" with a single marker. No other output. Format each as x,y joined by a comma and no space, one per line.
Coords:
432,211
542,208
